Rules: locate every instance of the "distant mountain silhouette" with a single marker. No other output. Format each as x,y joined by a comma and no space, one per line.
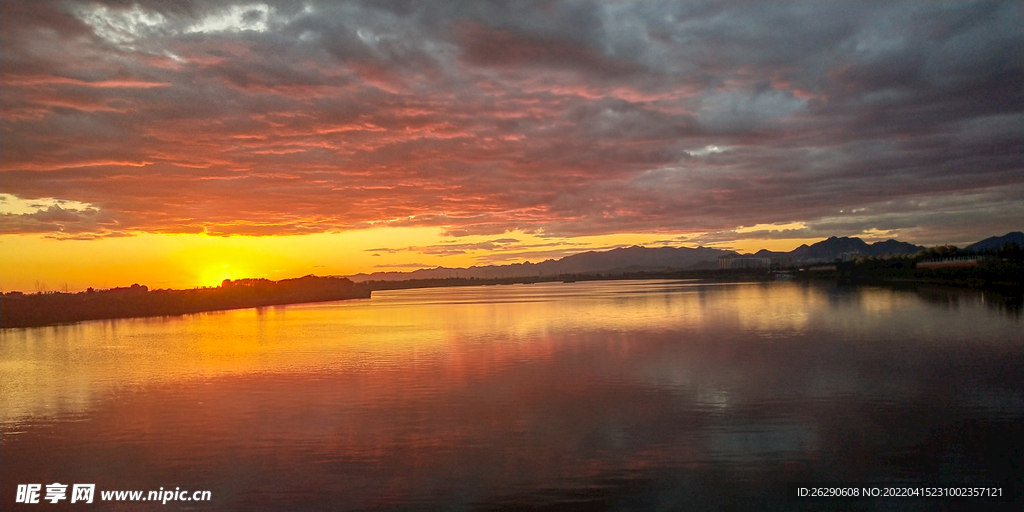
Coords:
997,242
845,248
661,259
891,246
635,259
615,261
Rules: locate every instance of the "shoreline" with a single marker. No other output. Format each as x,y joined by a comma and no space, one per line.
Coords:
43,310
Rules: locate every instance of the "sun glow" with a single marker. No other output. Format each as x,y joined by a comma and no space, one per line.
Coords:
215,275
791,226
160,261
38,263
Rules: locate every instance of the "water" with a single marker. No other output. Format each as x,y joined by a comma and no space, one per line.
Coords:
614,395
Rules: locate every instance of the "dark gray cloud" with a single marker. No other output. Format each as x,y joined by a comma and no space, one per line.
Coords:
555,118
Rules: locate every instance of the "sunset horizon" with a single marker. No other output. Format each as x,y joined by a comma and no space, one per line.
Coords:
247,263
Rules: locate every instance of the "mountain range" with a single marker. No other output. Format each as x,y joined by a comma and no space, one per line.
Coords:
660,259
842,248
997,242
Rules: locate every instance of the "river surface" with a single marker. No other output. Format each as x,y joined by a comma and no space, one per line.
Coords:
609,395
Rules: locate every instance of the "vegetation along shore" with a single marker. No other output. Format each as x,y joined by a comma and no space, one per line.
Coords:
998,266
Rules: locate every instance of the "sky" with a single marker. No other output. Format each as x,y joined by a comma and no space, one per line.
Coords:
176,144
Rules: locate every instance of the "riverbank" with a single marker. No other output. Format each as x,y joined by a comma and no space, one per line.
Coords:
1002,275
41,309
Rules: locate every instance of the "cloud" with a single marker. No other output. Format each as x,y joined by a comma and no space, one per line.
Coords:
558,118
80,221
488,47
403,265
706,150
451,249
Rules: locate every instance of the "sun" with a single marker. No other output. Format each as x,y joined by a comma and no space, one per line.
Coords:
214,275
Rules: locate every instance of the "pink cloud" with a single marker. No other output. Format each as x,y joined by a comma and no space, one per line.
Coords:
481,124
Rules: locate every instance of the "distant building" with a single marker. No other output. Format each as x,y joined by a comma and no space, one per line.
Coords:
850,256
956,261
733,262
